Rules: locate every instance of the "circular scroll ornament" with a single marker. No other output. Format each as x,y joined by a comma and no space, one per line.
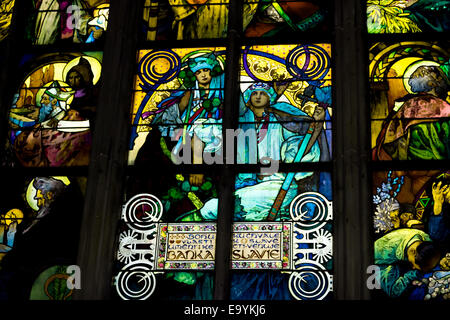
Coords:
311,210
142,211
310,283
135,282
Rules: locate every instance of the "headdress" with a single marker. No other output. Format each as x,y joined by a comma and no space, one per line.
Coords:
202,62
84,69
56,92
259,86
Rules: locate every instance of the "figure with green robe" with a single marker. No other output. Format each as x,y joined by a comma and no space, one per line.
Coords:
403,255
420,128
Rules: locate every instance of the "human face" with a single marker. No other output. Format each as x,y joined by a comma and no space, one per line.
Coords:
43,200
259,99
45,100
394,218
40,198
74,79
405,217
203,76
431,264
411,255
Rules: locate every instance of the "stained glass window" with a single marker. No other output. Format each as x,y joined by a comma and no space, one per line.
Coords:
411,229
77,21
297,81
53,110
285,111
39,228
188,19
412,16
6,10
282,18
179,171
409,101
177,90
290,258
174,93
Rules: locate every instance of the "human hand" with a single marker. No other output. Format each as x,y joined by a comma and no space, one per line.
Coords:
439,192
280,87
445,262
12,228
318,116
97,32
196,179
53,123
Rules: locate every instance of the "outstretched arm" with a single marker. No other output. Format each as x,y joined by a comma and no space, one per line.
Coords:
437,228
184,101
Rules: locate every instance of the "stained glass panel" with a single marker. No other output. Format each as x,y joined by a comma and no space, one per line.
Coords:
286,102
205,19
39,228
6,10
179,97
53,111
167,238
411,16
297,79
51,284
412,234
409,84
185,19
284,18
164,239
56,21
282,244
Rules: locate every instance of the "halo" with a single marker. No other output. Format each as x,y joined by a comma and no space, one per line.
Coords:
13,214
96,67
63,179
31,191
43,88
413,67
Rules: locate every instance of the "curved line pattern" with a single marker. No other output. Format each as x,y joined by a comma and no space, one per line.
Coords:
144,222
311,54
302,199
310,284
135,282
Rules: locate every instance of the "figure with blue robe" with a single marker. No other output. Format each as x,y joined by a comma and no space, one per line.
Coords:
260,115
196,105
